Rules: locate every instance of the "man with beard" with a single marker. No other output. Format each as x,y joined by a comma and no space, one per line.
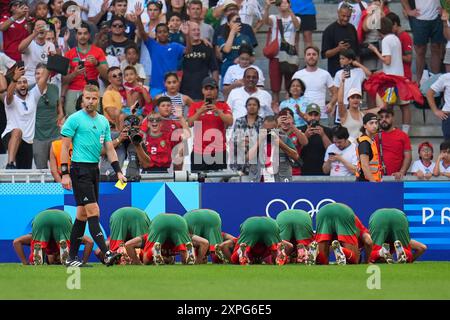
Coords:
317,81
20,109
238,96
89,131
394,146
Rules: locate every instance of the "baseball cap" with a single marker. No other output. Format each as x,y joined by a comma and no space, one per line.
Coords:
209,82
229,3
285,112
312,107
369,117
386,110
425,144
354,91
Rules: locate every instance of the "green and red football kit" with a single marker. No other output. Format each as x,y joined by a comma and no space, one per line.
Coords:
295,227
207,224
49,227
387,226
125,224
261,235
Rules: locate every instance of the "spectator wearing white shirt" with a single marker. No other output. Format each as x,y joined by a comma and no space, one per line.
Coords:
250,11
392,59
442,167
35,49
234,76
284,25
317,82
6,63
238,96
447,47
21,107
424,167
340,157
441,85
358,7
426,26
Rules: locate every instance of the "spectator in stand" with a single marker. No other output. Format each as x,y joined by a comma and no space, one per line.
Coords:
195,9
442,167
15,28
166,56
72,41
115,98
41,10
406,41
118,40
180,102
238,96
137,95
87,63
391,57
102,41
394,145
49,114
230,40
250,11
340,158
6,64
318,82
337,37
287,25
297,102
101,11
179,7
319,138
210,118
55,8
174,23
368,167
424,167
199,63
21,106
426,26
245,134
357,7
35,49
234,76
286,125
132,59
446,24
98,11
441,85
307,13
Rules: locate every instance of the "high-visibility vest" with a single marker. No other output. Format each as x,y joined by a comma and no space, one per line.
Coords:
374,163
56,147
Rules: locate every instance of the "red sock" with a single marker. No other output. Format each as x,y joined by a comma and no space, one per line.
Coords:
350,256
409,255
321,258
375,255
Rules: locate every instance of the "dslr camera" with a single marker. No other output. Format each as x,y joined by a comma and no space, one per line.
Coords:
132,123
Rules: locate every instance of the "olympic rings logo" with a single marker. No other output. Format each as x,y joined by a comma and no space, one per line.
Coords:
312,211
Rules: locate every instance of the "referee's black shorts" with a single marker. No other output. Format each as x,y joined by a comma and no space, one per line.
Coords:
85,182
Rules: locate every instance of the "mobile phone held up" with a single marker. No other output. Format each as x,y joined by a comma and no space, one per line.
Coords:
81,64
347,70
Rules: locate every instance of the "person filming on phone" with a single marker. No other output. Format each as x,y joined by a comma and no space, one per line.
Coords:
319,138
340,158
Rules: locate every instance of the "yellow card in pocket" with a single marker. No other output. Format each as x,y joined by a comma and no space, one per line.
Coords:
121,185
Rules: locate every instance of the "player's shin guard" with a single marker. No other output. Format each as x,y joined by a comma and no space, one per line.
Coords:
76,237
350,256
97,234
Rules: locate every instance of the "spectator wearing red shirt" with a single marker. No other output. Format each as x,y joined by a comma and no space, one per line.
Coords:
159,145
209,118
394,146
406,41
15,28
87,62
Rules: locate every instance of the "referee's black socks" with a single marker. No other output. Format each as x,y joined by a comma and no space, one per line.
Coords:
75,237
97,234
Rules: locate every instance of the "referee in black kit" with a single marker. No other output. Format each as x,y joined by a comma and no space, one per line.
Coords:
88,131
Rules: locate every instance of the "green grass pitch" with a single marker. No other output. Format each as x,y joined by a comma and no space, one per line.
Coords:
423,280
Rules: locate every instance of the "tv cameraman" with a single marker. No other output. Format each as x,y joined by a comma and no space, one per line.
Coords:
319,138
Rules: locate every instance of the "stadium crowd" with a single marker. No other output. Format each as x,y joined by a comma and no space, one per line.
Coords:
179,81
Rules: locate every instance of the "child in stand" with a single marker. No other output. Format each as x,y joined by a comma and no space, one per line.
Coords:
175,35
180,102
442,167
138,96
423,168
131,59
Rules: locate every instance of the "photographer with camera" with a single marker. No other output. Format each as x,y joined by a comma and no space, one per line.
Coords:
273,153
319,138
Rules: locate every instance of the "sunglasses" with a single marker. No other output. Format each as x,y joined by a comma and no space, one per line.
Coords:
46,101
117,26
117,75
154,119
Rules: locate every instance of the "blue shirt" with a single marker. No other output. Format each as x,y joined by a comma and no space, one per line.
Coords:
88,135
165,58
228,58
290,103
303,7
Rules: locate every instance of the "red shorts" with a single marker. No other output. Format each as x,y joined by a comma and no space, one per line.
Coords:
260,251
167,249
276,77
49,248
353,239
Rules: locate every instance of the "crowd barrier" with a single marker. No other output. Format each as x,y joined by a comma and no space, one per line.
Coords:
427,204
